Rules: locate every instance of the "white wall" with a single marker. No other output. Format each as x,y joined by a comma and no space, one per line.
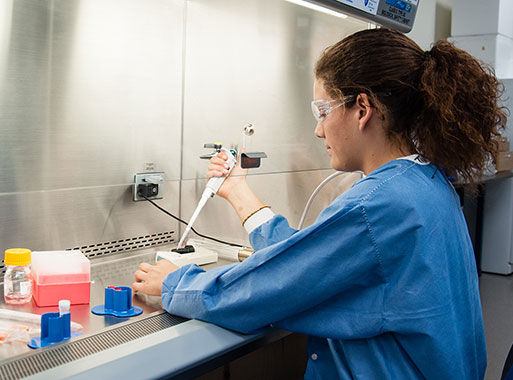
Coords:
432,22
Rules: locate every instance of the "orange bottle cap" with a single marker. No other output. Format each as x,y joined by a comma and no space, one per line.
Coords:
17,256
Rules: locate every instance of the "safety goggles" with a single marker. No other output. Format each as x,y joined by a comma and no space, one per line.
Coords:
322,107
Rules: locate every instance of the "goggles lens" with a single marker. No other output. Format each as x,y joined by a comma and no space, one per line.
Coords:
322,107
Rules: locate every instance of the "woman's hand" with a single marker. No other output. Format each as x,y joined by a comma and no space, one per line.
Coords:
218,167
234,188
149,278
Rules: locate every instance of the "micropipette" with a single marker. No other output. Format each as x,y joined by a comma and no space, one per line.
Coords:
213,185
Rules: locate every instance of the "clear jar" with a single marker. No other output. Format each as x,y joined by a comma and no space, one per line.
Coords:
18,276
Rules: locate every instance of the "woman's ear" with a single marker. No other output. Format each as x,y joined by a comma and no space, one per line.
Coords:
365,111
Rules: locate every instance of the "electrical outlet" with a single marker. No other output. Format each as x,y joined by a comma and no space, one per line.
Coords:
151,186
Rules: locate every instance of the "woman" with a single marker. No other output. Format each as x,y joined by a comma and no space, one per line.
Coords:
384,282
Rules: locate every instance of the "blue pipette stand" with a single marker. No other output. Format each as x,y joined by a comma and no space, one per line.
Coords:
118,302
54,328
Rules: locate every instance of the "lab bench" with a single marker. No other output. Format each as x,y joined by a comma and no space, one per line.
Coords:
153,345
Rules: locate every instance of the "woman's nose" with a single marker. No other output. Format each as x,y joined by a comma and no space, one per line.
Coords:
319,131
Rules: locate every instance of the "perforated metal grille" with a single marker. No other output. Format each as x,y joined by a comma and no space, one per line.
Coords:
117,246
130,244
74,350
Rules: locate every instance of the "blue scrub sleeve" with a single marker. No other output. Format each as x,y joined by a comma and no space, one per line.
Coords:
333,257
273,231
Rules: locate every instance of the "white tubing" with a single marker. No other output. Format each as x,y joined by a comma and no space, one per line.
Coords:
310,200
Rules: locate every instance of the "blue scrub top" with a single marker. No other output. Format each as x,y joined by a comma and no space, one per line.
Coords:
386,273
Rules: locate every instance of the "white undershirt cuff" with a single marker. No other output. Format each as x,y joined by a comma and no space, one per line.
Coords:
258,218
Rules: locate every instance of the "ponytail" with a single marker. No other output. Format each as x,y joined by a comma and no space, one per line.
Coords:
460,121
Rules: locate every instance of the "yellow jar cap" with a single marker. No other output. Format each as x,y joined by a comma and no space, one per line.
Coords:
17,256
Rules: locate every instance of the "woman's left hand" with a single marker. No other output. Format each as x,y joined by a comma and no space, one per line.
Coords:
149,278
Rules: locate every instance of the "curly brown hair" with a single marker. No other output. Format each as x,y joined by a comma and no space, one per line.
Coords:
442,104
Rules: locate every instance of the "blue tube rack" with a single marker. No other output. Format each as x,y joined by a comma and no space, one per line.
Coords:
118,302
54,328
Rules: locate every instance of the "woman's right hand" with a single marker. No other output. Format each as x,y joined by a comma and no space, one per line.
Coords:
218,167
